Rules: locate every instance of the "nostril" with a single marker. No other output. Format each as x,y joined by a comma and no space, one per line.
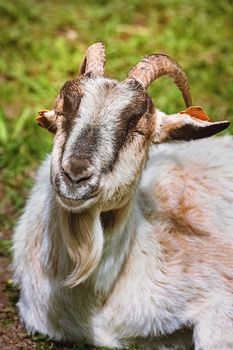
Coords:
67,174
84,178
77,170
81,178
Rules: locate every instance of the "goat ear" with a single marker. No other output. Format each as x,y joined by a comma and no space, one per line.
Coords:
47,120
190,124
82,69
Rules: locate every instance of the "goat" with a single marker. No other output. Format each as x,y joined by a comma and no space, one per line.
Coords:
123,242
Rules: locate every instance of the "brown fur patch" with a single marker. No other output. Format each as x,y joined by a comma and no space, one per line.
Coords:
200,259
189,244
174,198
67,104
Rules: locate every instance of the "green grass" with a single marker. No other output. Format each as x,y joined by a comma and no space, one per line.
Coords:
42,45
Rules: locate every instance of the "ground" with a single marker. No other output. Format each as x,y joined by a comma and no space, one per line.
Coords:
42,44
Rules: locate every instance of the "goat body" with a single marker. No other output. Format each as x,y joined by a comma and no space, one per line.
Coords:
150,263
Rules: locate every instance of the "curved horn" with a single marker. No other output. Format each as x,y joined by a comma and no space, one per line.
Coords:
154,66
94,60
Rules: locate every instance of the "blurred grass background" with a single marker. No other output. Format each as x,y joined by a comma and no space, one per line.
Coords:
43,42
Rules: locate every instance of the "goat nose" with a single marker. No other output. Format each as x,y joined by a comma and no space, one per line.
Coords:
77,169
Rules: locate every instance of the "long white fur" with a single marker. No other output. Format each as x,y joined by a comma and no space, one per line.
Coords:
133,294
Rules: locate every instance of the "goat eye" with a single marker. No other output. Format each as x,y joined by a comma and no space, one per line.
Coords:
138,131
58,113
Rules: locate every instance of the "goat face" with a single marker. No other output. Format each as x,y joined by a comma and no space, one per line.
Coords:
103,129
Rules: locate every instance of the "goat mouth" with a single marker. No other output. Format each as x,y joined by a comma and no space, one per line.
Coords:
78,200
72,196
75,204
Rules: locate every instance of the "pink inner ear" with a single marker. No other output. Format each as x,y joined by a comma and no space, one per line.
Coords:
196,112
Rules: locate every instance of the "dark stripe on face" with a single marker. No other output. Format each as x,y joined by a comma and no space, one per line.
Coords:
127,122
87,142
71,104
71,96
67,106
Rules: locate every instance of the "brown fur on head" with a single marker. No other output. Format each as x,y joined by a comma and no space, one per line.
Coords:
103,129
